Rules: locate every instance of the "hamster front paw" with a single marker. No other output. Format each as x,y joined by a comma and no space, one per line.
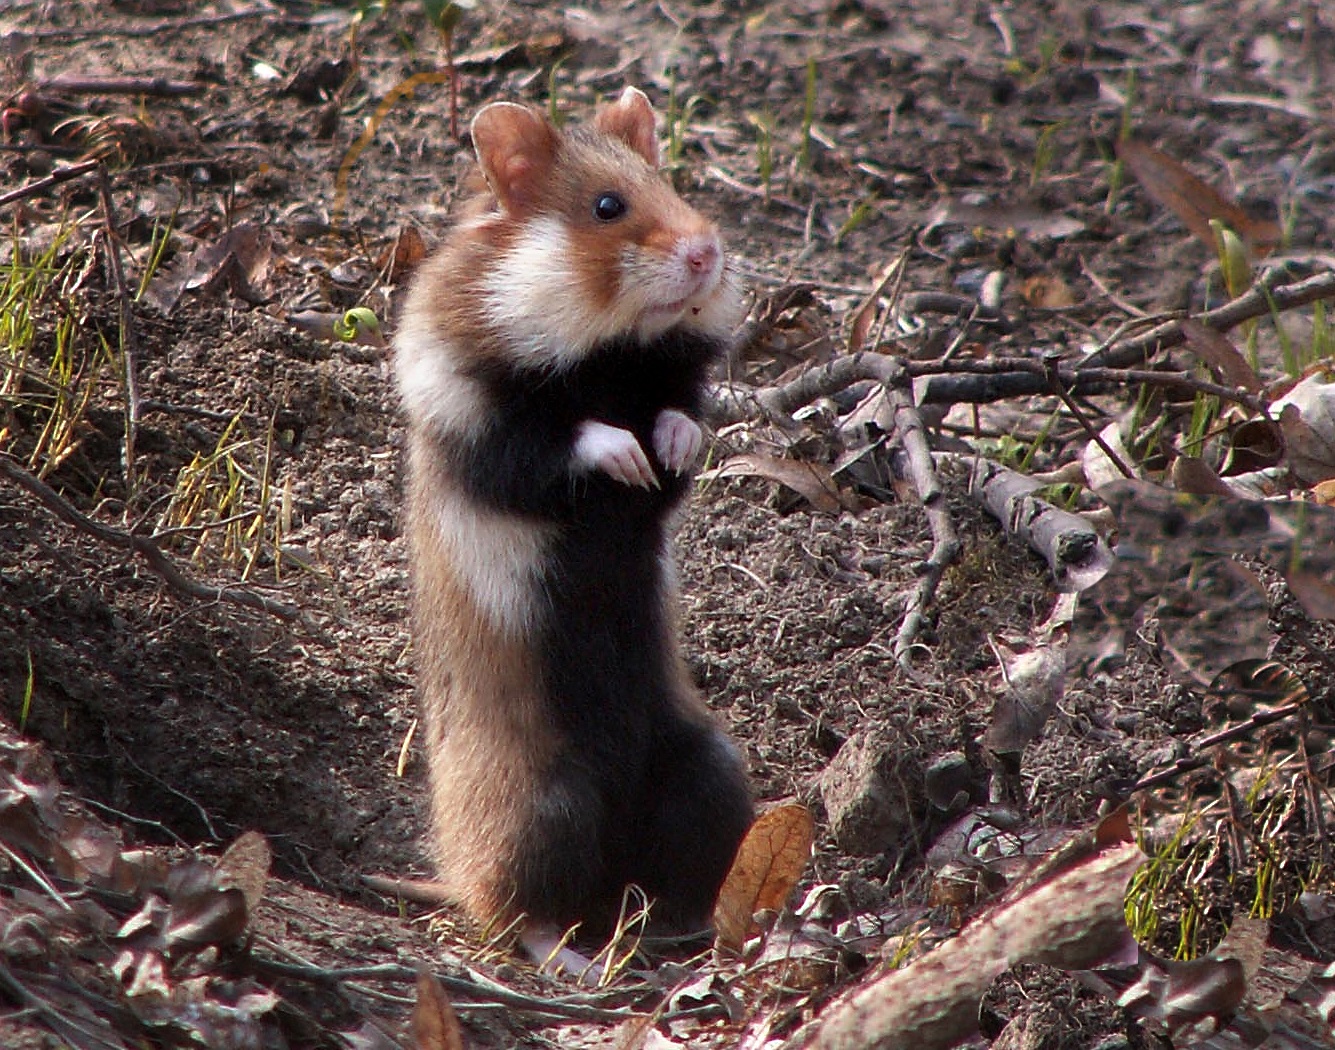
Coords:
677,440
615,452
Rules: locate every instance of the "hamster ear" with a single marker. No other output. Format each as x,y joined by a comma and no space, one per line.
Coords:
631,119
517,149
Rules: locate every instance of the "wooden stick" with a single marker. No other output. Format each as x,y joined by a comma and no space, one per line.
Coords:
82,84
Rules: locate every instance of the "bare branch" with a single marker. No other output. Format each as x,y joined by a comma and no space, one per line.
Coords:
1266,295
54,179
946,544
735,401
142,546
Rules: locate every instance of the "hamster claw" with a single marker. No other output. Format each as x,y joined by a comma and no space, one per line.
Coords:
677,440
615,452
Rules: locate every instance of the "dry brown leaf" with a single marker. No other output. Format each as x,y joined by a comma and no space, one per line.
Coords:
1211,995
768,864
1047,292
239,261
63,1009
245,866
204,917
435,1025
1193,475
1219,354
1253,445
1314,594
399,261
634,1034
1194,201
811,481
1307,417
859,326
1035,683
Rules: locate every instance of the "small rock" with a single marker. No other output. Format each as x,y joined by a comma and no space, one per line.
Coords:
869,793
948,780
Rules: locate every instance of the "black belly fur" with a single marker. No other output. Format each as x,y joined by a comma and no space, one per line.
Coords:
642,789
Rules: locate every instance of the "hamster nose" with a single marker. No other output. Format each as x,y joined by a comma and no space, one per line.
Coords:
702,255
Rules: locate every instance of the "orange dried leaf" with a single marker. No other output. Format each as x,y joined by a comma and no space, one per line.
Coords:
1193,200
811,481
434,1024
768,864
399,261
1193,475
859,326
1047,292
245,866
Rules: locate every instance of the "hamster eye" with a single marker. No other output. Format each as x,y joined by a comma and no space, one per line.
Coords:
609,207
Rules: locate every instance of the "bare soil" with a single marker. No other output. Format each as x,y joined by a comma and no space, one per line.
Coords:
978,138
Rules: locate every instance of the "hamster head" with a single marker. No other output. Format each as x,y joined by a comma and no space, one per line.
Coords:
592,243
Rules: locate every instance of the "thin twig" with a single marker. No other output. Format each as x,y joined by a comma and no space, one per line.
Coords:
953,382
998,378
1200,757
906,424
1267,295
567,1007
142,546
54,179
1059,388
737,401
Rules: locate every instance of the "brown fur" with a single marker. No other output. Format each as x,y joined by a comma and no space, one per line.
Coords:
487,681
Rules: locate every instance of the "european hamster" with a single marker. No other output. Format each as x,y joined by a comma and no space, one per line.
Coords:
552,358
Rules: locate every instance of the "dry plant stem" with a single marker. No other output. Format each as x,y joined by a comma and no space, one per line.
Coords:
945,544
576,1007
1266,295
142,546
129,341
76,83
54,179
